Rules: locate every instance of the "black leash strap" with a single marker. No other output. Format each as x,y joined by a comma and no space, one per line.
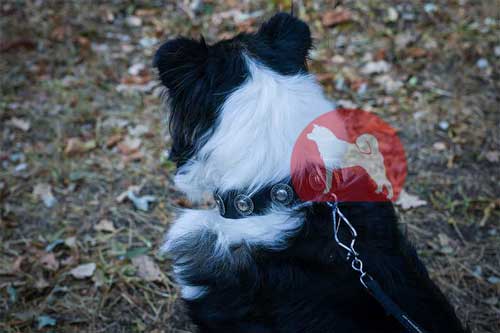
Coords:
389,306
371,285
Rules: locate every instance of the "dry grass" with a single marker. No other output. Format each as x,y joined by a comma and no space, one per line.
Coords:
61,64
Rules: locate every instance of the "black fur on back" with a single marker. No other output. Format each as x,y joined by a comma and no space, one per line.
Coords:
309,287
199,77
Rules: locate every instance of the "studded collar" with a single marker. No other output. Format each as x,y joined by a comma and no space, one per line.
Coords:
236,204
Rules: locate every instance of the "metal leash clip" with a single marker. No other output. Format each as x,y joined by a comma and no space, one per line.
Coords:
364,278
352,255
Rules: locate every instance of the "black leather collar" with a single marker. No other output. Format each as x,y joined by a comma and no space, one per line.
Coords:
237,204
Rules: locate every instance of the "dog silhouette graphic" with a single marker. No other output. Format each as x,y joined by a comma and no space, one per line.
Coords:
338,154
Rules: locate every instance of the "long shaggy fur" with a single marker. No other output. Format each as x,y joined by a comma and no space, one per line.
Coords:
237,108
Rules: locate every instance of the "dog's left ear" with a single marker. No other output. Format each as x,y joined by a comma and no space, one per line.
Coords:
286,33
180,63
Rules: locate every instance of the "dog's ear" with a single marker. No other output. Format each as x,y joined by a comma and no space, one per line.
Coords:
288,34
180,62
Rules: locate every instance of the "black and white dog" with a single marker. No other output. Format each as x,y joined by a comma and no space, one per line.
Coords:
237,108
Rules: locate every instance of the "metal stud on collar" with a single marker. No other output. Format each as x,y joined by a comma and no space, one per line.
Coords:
281,194
243,204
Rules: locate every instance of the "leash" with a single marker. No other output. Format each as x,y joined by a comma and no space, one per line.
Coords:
366,280
236,205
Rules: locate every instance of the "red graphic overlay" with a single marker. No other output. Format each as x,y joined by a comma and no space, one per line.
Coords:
348,155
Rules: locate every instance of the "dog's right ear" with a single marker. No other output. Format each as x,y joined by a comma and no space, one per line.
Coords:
180,62
288,35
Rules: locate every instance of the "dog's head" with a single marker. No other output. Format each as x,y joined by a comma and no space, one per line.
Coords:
199,77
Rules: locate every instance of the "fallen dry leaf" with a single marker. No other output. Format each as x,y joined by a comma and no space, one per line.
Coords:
113,122
138,130
133,21
41,283
493,156
381,54
124,195
140,202
129,145
147,269
392,14
83,271
121,198
407,201
69,261
416,52
357,84
131,88
440,146
137,69
338,59
135,156
325,77
43,191
247,26
83,41
444,240
335,17
16,266
376,67
49,262
59,33
390,85
488,210
113,140
99,278
445,243
147,12
14,45
21,124
45,321
105,225
70,242
77,146
138,79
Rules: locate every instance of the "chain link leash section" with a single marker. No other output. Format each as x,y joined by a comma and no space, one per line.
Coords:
364,278
352,255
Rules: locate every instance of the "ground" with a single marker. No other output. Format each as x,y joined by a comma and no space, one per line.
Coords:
81,124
